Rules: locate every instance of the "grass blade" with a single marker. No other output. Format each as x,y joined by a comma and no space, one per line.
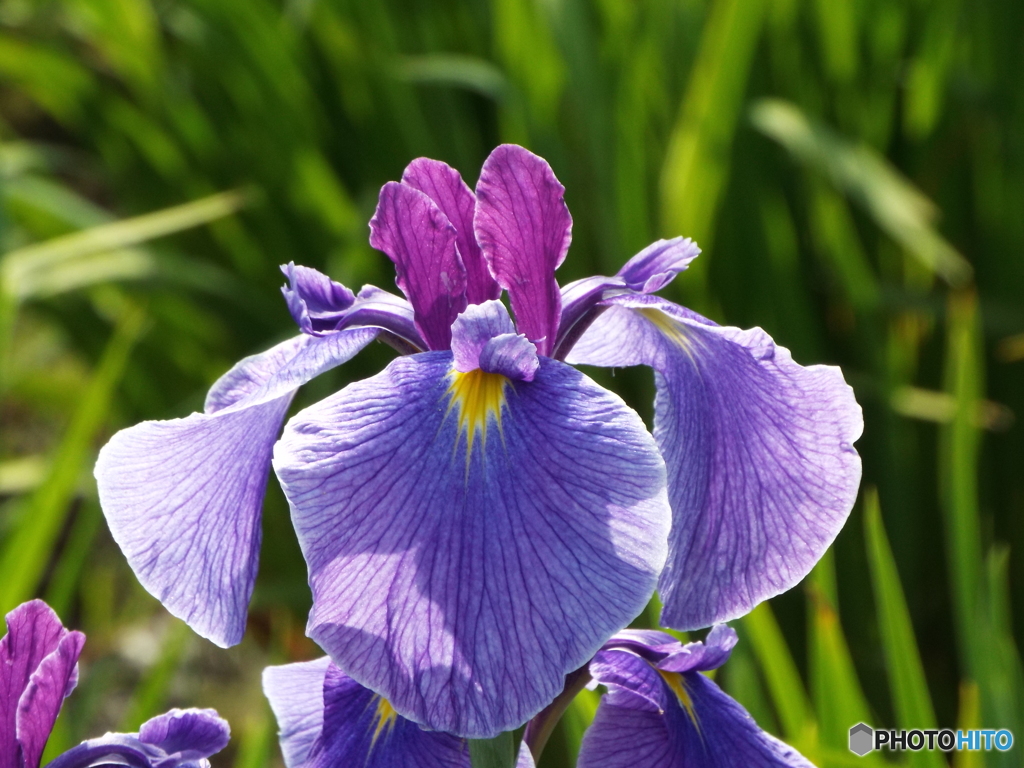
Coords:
22,271
697,159
896,205
28,550
909,688
788,695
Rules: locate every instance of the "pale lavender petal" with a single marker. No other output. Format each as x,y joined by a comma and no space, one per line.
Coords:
668,720
296,694
38,659
445,187
759,450
187,734
41,701
420,240
483,337
315,301
183,497
464,583
524,229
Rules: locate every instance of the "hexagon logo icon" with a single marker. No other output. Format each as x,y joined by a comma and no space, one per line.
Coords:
861,739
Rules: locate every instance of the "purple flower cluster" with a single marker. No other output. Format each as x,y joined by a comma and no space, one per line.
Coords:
480,518
39,669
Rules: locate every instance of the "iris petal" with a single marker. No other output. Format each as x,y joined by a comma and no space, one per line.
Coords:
183,497
759,450
445,187
415,234
463,585
672,720
38,669
524,229
327,719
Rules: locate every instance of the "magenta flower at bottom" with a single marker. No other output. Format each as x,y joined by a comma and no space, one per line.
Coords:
39,668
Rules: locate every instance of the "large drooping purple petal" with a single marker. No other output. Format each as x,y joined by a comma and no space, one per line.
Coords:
38,669
649,271
181,738
661,719
415,234
183,497
524,229
759,450
445,187
463,579
327,719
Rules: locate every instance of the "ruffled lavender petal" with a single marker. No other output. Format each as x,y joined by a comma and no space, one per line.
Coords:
181,738
445,187
524,229
315,301
483,337
649,271
464,587
759,450
673,721
187,734
666,652
658,264
415,234
321,306
183,497
38,669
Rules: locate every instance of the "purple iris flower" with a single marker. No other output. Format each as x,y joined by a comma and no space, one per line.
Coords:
660,712
39,669
327,719
480,517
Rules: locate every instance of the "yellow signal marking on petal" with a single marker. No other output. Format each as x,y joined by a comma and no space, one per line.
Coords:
386,717
675,681
479,396
669,327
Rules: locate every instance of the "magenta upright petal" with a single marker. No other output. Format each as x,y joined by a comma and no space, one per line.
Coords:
445,187
468,548
38,669
415,234
183,498
524,229
759,450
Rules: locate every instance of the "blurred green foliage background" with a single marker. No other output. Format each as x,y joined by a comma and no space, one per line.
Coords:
853,169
